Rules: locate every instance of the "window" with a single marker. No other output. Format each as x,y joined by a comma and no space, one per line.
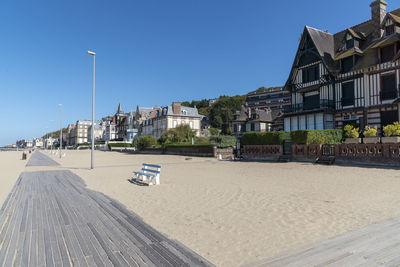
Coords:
348,94
350,43
191,124
311,102
387,53
347,64
388,90
174,124
235,128
389,117
252,127
389,29
311,74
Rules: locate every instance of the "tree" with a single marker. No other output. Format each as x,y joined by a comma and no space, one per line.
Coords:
145,141
221,113
181,134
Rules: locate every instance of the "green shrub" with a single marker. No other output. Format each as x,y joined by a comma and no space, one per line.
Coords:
317,137
370,132
145,141
351,132
392,129
214,131
223,141
181,134
261,138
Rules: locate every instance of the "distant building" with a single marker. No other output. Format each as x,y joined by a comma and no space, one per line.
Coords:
141,115
212,101
98,132
81,131
24,143
38,142
162,119
257,120
110,132
274,99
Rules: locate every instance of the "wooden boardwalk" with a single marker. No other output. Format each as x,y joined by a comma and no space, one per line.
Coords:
51,219
39,159
374,245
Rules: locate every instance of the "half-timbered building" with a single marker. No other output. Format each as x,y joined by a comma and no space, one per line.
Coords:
351,77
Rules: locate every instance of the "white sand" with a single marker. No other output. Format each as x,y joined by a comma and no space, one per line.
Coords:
233,213
11,166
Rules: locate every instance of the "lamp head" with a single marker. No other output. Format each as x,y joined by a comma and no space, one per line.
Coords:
91,53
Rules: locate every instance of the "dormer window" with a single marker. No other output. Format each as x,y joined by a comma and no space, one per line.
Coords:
389,30
184,112
347,64
350,43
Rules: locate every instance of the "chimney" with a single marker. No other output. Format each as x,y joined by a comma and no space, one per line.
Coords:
176,108
378,11
249,113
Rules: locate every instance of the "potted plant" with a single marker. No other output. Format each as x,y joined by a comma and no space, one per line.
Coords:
351,134
370,135
391,133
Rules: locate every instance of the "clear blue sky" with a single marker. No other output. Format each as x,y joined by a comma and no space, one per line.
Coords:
149,52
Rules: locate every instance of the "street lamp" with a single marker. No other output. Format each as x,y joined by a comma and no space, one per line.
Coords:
60,105
51,146
47,138
94,71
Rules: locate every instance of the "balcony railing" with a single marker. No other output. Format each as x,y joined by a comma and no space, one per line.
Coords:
389,94
322,104
348,101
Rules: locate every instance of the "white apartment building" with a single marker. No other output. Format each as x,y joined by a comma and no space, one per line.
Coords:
169,117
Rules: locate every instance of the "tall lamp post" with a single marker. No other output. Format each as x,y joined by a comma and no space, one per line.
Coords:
51,146
94,71
60,105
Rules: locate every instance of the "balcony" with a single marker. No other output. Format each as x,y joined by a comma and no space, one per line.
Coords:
389,94
348,101
316,105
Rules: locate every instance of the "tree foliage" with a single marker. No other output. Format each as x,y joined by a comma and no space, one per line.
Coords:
55,134
181,134
221,113
145,141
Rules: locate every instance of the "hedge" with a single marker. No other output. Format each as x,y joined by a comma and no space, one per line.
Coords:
317,137
268,138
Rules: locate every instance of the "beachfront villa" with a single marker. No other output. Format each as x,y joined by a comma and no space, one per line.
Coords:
253,120
351,77
161,119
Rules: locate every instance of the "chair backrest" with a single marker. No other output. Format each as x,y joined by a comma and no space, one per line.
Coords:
152,165
150,170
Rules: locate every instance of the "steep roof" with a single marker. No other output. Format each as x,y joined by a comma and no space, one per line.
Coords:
185,111
120,110
331,47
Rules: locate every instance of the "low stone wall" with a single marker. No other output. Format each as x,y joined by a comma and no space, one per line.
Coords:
369,153
381,154
153,151
226,153
306,152
262,152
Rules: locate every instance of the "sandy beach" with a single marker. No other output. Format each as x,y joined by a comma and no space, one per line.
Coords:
11,167
235,213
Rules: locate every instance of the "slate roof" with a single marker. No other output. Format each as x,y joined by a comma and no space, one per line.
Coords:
120,110
331,47
261,115
190,112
